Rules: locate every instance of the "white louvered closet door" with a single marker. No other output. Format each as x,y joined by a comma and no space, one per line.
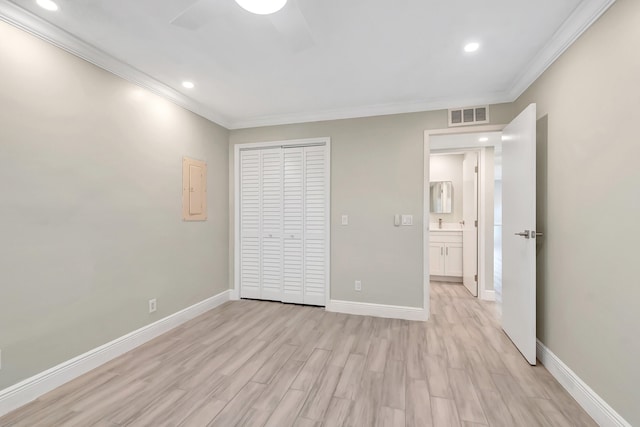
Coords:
283,224
315,227
271,224
293,209
250,206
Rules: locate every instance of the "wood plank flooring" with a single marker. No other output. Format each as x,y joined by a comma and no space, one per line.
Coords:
252,363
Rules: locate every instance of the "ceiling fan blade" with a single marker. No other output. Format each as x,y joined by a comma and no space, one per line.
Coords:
195,16
292,25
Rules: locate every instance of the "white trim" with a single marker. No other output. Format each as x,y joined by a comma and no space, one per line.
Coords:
482,221
584,15
592,403
326,141
378,310
33,24
367,111
426,275
579,21
30,389
488,295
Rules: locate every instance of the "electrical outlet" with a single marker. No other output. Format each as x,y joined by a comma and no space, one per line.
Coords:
358,285
152,305
345,219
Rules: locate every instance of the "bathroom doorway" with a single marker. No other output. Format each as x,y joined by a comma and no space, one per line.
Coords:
465,166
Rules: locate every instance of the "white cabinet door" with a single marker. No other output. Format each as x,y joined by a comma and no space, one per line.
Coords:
293,217
315,224
453,259
436,259
271,224
250,245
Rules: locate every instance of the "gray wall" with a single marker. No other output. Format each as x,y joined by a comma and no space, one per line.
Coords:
589,206
90,201
376,171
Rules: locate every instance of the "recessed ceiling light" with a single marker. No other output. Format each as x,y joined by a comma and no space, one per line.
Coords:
47,4
188,85
262,7
483,139
471,47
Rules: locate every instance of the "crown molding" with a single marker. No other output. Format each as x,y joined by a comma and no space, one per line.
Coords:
367,111
33,24
583,16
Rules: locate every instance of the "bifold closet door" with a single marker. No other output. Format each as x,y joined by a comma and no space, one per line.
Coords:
271,224
250,206
293,210
261,224
315,224
283,224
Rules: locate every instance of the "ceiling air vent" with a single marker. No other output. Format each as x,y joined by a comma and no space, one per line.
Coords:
469,116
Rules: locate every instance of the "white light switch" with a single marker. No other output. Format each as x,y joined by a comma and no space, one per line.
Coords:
345,219
407,219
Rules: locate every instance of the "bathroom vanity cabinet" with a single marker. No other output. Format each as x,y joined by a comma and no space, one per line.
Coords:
445,253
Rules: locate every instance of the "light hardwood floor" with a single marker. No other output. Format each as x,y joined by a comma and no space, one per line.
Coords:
252,363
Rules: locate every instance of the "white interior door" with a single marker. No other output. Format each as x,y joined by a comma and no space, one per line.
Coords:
518,238
470,217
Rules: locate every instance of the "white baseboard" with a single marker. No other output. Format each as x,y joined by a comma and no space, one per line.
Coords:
593,404
489,295
378,310
446,279
30,389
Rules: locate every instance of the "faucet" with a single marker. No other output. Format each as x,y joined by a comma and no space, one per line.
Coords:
439,222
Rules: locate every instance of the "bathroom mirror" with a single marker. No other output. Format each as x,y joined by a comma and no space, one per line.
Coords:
441,196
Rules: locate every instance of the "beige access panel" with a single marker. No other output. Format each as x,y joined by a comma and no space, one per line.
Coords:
194,190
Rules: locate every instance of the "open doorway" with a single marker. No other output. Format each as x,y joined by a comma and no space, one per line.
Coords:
465,212
517,222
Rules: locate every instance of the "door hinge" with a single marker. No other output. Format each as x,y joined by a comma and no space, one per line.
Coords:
475,223
475,277
476,169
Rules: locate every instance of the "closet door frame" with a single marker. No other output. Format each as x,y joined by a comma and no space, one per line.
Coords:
326,142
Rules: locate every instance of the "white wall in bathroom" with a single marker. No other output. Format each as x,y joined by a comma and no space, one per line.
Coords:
448,167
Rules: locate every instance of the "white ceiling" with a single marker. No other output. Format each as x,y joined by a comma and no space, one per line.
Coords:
346,58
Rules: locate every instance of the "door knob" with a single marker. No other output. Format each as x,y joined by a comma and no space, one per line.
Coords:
524,234
535,234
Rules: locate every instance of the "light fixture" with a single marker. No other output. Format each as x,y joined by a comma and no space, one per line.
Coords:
188,85
47,4
483,139
262,7
471,47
